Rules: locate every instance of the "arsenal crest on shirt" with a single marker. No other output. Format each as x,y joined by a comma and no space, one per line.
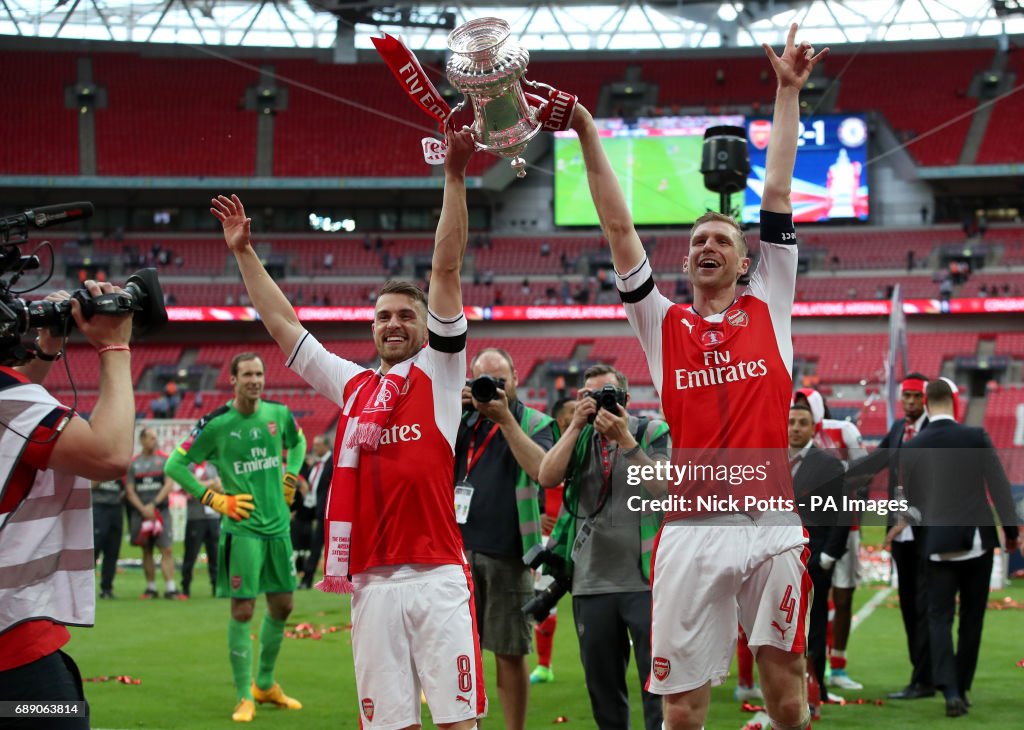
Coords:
737,318
368,708
272,427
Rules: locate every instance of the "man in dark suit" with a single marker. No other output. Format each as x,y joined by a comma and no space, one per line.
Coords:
910,567
951,473
820,474
319,474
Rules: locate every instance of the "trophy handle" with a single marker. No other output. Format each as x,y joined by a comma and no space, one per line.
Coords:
451,115
537,85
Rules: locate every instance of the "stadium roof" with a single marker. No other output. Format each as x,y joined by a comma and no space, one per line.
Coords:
566,25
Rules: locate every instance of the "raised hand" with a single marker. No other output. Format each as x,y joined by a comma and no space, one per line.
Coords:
795,64
460,148
231,214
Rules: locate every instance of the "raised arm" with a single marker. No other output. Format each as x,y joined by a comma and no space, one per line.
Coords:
444,297
605,191
275,310
792,70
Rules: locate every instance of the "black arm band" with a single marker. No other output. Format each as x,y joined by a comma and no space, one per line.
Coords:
632,297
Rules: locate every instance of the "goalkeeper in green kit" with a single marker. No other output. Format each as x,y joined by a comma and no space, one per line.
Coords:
245,440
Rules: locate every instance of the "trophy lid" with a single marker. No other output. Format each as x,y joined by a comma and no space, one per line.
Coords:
482,37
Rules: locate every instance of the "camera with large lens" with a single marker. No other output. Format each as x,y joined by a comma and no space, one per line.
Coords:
545,600
142,298
608,398
485,388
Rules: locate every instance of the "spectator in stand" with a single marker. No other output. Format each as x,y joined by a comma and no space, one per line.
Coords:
108,528
329,260
545,249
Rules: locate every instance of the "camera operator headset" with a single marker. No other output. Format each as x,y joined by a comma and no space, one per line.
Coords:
48,454
602,543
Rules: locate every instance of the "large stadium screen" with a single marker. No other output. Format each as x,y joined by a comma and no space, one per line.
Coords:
830,181
657,162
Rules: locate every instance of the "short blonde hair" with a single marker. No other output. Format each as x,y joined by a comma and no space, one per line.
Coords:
738,238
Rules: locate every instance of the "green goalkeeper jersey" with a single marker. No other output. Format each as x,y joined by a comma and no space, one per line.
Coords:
248,451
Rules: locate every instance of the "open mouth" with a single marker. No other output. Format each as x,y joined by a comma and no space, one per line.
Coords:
708,264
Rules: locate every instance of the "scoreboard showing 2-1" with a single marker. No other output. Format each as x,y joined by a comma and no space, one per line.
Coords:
830,181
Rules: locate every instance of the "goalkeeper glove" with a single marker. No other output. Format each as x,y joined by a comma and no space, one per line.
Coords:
290,482
235,506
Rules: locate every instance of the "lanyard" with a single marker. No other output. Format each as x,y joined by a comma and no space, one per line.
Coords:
472,453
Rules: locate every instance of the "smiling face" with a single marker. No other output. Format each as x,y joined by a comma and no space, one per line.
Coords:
249,380
717,257
399,328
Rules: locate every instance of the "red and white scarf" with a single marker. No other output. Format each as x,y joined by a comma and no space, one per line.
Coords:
362,421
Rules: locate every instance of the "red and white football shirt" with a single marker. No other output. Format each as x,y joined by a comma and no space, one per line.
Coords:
725,378
405,512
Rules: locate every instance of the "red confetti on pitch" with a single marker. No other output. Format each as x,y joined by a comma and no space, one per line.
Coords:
747,707
560,719
1021,664
122,678
309,631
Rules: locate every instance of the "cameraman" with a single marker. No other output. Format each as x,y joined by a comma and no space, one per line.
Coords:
497,456
47,457
607,546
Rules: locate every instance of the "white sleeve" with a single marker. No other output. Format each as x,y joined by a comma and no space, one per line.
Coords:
774,281
645,309
853,442
325,371
443,360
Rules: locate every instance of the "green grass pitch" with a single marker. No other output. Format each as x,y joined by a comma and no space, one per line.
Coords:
179,651
660,177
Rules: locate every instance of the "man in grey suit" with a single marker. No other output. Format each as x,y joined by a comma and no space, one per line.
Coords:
951,474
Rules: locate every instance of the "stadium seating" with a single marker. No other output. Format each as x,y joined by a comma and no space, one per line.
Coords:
1002,136
923,89
167,116
1003,421
40,134
334,124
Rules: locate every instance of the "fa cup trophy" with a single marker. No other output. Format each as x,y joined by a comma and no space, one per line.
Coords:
487,66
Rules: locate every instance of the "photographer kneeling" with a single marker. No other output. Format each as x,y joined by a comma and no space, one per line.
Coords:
47,457
605,546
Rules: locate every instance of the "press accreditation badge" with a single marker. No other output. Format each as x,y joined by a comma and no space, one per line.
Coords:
582,535
463,496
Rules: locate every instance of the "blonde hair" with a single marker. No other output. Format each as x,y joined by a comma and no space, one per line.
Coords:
738,238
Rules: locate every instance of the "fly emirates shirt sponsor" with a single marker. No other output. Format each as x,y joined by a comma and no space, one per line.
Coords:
724,378
404,507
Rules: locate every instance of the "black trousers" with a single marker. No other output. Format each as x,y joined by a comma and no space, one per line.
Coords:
107,531
604,625
817,629
954,670
54,678
200,533
911,568
315,549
